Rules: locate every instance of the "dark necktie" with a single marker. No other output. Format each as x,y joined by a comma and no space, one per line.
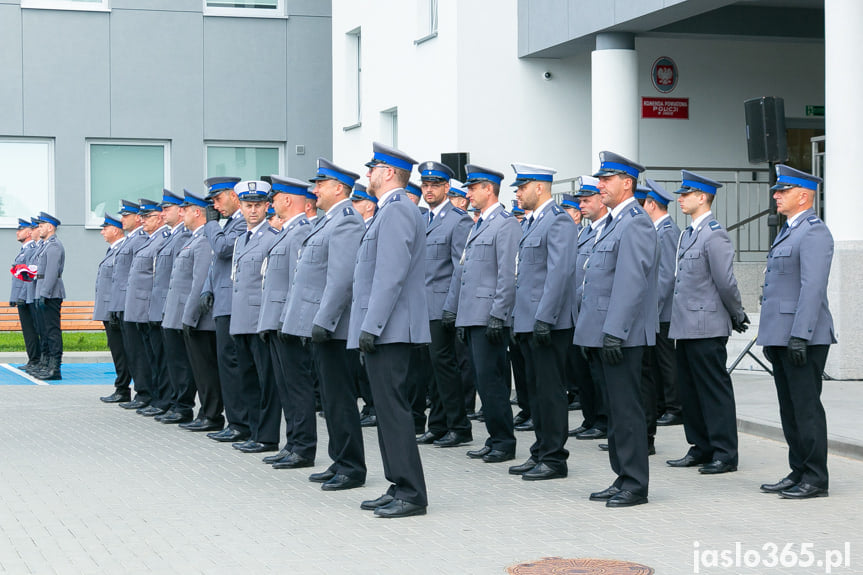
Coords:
478,222
431,217
248,237
530,221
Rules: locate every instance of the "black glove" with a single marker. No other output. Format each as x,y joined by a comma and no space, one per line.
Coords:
447,321
283,336
460,334
205,302
768,353
542,333
114,318
213,214
494,331
740,325
155,324
612,354
583,351
320,334
21,302
13,303
40,302
797,351
187,330
262,335
367,342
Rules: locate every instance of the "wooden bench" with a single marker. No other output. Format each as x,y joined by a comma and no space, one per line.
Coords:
74,316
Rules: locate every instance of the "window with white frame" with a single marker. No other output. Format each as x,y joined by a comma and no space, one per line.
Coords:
92,5
245,160
426,20
26,178
390,127
353,81
128,170
249,8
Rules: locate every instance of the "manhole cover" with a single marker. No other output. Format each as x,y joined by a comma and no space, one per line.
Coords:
562,566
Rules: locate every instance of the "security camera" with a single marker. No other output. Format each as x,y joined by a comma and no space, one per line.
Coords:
546,75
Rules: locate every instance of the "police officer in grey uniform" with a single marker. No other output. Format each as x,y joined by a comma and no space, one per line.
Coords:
18,293
389,316
137,308
797,330
617,318
30,296
446,232
318,308
543,318
291,359
664,364
49,295
183,312
253,355
133,342
216,298
704,309
483,300
178,369
112,231
588,367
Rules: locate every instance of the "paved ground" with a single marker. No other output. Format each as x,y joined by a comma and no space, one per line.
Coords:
90,488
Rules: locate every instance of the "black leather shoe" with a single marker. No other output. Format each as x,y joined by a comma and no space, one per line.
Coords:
453,439
381,501
429,437
651,449
592,433
605,494
134,404
574,405
670,419
256,447
150,411
116,397
270,459
716,467
803,491
340,482
323,476
526,426
400,508
158,417
476,416
479,453
202,424
498,456
783,485
603,446
686,461
369,421
174,417
542,472
523,468
520,418
293,461
577,430
625,498
229,435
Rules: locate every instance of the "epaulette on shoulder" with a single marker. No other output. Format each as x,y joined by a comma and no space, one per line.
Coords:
274,231
395,198
666,225
165,233
304,222
505,214
714,225
634,211
349,211
813,219
459,211
556,210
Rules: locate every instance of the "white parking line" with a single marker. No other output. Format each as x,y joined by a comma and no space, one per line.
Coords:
23,374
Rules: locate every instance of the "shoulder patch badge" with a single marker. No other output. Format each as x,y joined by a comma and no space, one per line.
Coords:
556,210
349,211
666,226
714,225
274,231
459,211
813,219
504,214
634,211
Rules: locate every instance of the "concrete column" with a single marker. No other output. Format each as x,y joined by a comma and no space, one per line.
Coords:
614,96
843,202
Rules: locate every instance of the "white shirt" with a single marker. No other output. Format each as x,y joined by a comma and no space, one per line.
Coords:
698,221
658,222
489,210
441,206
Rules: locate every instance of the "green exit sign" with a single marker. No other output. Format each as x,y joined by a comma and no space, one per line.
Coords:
815,110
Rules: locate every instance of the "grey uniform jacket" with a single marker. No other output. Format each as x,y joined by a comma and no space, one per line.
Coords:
164,264
445,238
247,279
104,279
668,234
320,292
545,273
140,288
222,241
19,287
485,276
705,289
279,267
49,278
619,297
33,259
389,297
188,275
122,265
795,285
